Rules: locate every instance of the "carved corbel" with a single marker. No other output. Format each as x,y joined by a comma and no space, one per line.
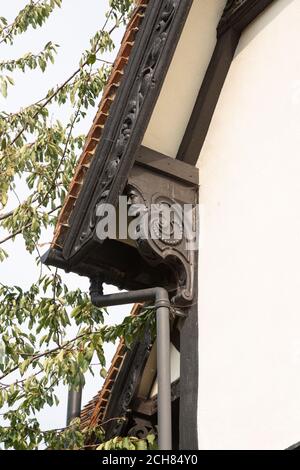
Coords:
165,235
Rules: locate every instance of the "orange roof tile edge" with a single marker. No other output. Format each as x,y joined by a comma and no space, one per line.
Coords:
95,132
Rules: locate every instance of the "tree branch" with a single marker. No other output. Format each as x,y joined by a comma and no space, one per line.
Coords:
50,98
18,232
47,353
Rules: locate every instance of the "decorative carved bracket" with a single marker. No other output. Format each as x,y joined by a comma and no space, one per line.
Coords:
162,248
163,236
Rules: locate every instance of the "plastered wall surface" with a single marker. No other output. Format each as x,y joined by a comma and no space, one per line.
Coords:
249,260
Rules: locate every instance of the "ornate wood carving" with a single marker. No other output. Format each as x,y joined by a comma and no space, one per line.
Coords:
142,428
173,251
163,236
126,385
130,113
145,80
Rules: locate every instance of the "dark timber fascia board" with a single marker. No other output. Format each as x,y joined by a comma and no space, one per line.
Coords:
237,15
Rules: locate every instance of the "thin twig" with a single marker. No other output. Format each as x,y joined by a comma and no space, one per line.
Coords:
47,353
50,98
15,23
17,232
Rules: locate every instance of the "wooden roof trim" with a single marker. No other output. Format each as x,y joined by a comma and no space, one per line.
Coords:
95,132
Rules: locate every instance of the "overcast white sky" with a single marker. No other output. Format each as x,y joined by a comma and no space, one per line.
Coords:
70,27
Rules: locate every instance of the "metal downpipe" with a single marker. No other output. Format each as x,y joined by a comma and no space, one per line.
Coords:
74,405
162,307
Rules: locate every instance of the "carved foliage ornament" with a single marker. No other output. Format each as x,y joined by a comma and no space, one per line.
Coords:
145,81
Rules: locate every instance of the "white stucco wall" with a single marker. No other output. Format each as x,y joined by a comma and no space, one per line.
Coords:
175,370
249,264
184,78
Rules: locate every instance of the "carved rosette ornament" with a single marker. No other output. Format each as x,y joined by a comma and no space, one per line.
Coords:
162,237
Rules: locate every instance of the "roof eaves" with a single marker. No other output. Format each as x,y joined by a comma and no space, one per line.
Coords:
96,130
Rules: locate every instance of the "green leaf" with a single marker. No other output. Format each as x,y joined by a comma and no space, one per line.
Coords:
4,199
141,445
4,88
10,79
91,59
24,366
151,439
